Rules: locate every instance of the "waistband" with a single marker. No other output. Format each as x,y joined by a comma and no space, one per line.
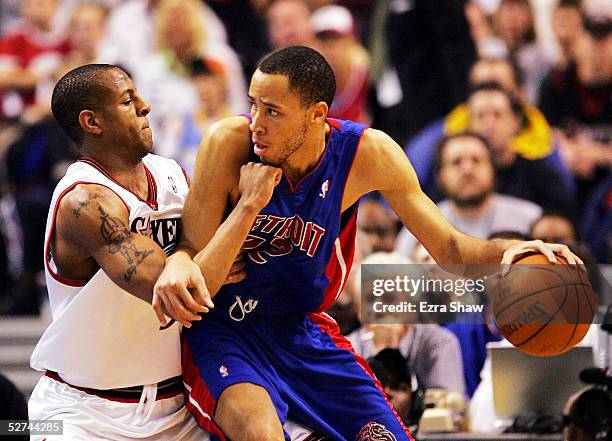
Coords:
165,389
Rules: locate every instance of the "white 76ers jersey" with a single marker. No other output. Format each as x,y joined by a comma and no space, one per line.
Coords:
101,336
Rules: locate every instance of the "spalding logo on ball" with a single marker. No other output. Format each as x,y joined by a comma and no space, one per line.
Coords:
544,309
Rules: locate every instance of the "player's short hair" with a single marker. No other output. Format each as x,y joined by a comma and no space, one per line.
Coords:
309,74
78,90
442,143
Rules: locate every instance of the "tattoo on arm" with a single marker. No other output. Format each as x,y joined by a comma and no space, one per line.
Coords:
119,240
77,211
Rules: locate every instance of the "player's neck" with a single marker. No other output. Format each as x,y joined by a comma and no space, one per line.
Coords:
127,171
307,157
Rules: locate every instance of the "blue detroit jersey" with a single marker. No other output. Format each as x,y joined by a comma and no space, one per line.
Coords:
300,248
268,330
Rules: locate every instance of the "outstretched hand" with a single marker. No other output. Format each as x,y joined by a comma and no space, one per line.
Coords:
550,250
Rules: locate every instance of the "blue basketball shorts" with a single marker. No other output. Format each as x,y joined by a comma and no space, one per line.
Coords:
308,368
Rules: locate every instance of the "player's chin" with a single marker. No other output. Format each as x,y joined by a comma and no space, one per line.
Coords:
147,140
267,160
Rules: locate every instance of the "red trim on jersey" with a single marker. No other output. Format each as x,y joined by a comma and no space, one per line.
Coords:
59,278
333,271
334,123
294,188
347,243
199,393
151,200
327,325
186,176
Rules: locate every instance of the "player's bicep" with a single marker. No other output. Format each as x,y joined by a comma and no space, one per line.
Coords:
216,174
95,220
400,187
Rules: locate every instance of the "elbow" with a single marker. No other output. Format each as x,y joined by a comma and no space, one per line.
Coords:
450,254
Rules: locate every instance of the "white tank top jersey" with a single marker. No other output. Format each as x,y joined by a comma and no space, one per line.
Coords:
101,336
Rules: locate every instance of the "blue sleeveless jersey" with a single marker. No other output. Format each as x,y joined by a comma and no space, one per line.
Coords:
300,248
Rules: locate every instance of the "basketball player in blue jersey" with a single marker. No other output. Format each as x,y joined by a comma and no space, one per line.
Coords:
267,350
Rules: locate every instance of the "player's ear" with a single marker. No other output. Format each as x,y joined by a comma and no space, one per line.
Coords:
320,111
90,122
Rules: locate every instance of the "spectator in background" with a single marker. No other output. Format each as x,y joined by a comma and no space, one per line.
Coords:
554,228
377,226
576,100
29,54
289,24
588,415
131,31
390,367
164,79
466,174
430,52
567,26
183,133
335,34
596,228
513,22
432,353
534,139
578,97
246,30
35,162
495,114
87,31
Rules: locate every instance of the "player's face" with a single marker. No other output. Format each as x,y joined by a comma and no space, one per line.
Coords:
124,116
466,171
279,127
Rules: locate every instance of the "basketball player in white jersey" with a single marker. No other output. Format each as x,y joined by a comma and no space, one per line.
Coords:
110,371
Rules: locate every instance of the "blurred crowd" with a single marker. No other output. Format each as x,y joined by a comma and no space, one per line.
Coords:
503,107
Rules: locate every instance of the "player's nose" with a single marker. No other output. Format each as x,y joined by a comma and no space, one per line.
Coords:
256,126
144,108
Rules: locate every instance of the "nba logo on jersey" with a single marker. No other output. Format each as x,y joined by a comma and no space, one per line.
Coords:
324,188
224,371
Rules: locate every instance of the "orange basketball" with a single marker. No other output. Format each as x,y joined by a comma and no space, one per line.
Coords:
544,309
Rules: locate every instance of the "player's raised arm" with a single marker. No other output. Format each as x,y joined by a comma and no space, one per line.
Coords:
380,164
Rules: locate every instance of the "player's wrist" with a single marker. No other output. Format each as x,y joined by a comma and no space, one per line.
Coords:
249,207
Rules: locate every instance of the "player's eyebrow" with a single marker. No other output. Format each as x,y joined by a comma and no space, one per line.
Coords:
271,104
266,102
129,91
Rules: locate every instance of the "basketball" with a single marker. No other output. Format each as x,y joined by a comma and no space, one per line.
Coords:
544,309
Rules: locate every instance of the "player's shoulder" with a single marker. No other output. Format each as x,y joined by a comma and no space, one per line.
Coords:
233,129
87,200
375,136
375,143
161,162
229,138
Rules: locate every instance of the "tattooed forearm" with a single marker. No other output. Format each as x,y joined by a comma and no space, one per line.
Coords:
119,240
82,204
